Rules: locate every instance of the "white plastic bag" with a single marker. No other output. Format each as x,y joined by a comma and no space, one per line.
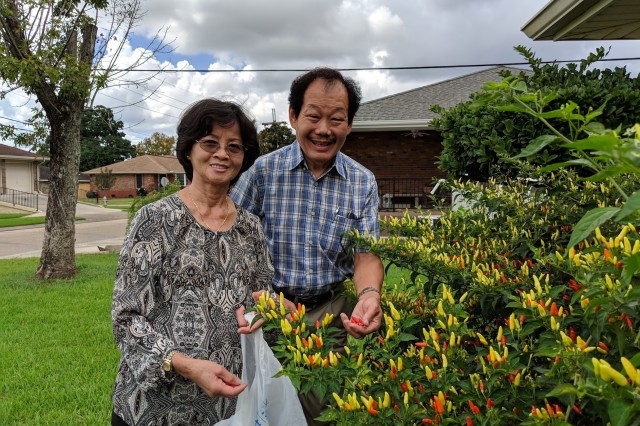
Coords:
267,400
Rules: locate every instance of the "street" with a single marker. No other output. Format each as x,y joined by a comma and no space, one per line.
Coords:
101,227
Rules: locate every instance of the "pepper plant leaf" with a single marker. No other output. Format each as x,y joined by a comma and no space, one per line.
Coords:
589,222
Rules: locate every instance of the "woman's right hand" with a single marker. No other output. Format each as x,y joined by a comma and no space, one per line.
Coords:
212,378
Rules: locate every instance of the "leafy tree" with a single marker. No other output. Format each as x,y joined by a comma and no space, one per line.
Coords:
104,180
157,144
52,50
480,135
102,141
274,135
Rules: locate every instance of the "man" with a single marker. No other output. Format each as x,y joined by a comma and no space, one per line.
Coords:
308,195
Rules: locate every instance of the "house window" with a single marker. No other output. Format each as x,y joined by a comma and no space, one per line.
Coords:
138,181
182,178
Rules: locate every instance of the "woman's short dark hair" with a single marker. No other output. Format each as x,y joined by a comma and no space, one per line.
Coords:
300,85
199,119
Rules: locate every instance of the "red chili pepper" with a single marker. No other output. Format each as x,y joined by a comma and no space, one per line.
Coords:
421,344
404,387
490,403
305,342
393,372
503,340
572,333
619,265
481,386
553,310
576,409
317,323
381,341
372,411
395,407
357,321
603,346
474,407
469,421
427,421
437,404
522,319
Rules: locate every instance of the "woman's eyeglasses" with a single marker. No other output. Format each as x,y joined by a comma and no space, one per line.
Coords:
211,146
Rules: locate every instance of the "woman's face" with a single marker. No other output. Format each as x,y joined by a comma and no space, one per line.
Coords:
217,157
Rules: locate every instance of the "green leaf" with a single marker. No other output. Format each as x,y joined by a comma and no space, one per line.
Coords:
631,268
578,162
536,145
589,222
620,412
608,172
563,389
630,206
605,143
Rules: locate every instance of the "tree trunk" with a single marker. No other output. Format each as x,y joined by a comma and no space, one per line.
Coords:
58,248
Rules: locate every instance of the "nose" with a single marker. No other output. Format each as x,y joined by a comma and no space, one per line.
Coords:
323,127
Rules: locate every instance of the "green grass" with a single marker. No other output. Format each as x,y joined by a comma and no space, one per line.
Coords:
59,358
112,203
17,219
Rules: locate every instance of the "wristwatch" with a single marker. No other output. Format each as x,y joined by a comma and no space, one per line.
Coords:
166,362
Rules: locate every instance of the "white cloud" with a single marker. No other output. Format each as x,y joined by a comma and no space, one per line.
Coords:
292,34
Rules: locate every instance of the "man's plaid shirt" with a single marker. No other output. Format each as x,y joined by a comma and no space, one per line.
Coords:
304,219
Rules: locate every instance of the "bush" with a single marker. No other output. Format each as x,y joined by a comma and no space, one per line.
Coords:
92,194
150,197
522,309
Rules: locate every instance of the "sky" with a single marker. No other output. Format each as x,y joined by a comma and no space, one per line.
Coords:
295,35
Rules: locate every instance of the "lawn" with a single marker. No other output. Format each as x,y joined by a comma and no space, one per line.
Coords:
19,219
59,358
58,354
112,203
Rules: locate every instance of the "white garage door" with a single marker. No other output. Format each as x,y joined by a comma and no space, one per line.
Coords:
19,176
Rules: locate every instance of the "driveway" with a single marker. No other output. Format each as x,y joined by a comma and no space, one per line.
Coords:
102,227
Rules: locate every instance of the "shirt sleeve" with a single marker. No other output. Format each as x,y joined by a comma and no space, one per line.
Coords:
245,192
136,294
370,222
263,271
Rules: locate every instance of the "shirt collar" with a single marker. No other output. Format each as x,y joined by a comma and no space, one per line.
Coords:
296,159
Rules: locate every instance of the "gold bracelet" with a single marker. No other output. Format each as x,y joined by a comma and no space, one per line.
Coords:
367,290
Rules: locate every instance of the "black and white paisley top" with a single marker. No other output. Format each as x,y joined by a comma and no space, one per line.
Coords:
178,286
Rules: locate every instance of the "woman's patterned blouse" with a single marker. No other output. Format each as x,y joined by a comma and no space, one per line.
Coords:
178,286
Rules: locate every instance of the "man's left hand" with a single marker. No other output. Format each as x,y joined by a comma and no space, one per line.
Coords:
366,317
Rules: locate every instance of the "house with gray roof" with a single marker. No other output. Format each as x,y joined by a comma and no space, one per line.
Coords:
145,171
393,137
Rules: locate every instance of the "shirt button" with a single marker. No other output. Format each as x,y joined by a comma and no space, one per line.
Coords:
313,214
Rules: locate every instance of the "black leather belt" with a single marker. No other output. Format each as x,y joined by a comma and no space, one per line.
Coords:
309,302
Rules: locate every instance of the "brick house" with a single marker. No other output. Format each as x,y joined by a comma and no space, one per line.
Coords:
392,136
145,171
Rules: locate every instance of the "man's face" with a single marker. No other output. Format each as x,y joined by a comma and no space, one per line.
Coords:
322,125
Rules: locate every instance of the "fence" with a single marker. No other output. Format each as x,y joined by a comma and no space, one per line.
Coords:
19,198
406,193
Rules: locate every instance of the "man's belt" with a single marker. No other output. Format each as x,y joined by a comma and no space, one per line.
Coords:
311,302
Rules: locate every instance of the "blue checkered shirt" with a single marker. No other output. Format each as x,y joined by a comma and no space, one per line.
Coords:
304,219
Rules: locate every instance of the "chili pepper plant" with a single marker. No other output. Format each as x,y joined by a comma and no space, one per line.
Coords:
521,309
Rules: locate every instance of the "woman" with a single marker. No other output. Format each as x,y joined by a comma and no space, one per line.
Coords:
189,263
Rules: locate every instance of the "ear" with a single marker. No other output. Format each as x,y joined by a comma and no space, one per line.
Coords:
293,120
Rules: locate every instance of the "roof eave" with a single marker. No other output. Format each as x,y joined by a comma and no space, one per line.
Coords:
390,125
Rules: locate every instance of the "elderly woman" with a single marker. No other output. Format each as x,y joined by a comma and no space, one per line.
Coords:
189,263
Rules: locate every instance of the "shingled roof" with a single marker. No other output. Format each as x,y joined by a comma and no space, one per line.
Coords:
411,109
7,151
144,164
